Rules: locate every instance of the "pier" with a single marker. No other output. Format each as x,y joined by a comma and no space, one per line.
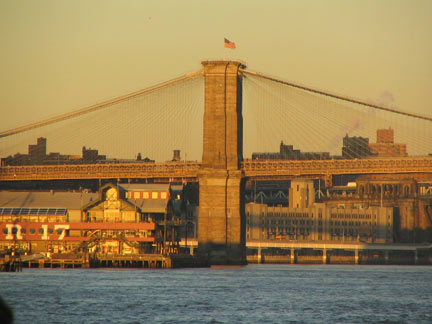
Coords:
80,260
278,252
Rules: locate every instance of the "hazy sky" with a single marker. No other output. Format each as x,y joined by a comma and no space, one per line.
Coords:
57,56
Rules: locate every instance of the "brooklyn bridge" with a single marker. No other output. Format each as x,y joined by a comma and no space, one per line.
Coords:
219,116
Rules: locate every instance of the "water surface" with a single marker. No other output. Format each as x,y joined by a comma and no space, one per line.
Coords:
251,294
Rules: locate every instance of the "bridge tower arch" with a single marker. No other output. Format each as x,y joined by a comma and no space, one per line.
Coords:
221,220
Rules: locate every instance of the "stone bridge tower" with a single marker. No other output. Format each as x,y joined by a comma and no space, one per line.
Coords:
221,221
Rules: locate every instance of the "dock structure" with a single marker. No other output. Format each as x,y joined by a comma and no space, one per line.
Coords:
81,260
286,252
10,264
134,261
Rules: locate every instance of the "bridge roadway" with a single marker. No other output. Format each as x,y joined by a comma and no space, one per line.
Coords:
265,169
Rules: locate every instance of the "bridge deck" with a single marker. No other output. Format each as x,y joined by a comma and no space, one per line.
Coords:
189,170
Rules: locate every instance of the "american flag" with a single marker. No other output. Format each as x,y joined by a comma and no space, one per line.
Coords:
229,44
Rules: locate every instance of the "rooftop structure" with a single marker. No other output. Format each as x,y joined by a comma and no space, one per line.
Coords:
385,146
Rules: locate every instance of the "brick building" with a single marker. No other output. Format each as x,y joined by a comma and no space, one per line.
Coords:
385,145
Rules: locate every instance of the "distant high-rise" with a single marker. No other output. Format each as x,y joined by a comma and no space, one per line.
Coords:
91,156
355,147
37,153
385,135
385,145
287,152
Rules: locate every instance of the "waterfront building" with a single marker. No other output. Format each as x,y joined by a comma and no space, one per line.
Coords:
319,223
305,220
410,199
119,219
371,210
28,219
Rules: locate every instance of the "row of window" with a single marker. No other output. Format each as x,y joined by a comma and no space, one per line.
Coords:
59,231
286,222
353,216
344,223
284,215
307,215
31,231
334,216
33,211
320,229
344,232
288,231
147,195
273,222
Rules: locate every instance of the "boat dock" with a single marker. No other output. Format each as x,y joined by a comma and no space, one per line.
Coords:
81,260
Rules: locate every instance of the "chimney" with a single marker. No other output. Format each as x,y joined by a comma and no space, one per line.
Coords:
176,156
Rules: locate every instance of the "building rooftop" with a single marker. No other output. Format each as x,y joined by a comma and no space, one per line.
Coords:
53,199
150,205
145,187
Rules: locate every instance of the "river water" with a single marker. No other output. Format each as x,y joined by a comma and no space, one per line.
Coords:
251,294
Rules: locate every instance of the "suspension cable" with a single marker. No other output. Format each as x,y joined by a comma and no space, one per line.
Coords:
328,94
101,105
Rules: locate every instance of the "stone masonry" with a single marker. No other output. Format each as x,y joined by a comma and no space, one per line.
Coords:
221,222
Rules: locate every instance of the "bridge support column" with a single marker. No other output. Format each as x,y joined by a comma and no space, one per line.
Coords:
292,256
221,225
386,256
221,222
324,256
259,256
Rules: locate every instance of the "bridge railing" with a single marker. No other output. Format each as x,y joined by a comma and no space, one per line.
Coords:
329,167
100,171
251,168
